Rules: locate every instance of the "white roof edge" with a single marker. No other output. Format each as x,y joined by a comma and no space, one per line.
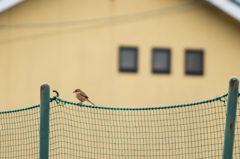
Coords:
5,4
228,7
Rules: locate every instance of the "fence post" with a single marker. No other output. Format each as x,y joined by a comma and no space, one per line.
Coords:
230,118
44,121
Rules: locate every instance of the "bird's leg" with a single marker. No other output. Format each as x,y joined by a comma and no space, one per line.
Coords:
80,103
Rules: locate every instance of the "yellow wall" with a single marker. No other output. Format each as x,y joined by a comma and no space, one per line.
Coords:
86,55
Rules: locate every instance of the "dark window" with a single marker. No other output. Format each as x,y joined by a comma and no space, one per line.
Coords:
161,61
194,62
128,59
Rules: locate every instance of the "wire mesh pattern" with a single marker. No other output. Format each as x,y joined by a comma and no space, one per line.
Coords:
183,131
19,133
194,130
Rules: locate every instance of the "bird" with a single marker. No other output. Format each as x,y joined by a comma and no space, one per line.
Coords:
80,95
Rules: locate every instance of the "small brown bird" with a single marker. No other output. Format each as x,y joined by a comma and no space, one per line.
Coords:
81,96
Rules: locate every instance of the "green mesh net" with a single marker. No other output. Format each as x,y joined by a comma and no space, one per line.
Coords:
194,130
19,133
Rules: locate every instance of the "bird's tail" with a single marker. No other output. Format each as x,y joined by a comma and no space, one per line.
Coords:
90,101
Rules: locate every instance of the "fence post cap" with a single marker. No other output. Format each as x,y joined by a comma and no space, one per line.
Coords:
44,85
233,80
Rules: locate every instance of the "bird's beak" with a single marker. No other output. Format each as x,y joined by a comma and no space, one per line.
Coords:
73,91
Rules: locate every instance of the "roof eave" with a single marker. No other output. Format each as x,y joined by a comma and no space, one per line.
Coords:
228,7
6,4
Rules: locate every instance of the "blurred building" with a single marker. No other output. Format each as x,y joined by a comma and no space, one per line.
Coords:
121,53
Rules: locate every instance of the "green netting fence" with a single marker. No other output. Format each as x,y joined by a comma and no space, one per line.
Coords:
194,130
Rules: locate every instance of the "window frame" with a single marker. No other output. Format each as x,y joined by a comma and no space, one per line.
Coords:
187,72
169,61
136,59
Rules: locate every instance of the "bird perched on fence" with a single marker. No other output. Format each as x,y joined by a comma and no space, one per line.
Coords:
81,96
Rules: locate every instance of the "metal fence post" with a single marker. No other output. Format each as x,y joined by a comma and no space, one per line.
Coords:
230,118
44,121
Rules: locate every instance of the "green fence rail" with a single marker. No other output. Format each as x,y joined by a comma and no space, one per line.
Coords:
192,130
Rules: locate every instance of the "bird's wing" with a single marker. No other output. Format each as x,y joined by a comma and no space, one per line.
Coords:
83,94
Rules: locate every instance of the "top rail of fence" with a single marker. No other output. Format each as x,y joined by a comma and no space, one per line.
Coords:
119,108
